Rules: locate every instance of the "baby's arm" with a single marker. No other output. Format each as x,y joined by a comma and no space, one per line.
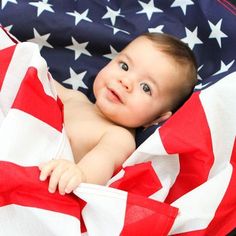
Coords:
65,94
96,167
109,154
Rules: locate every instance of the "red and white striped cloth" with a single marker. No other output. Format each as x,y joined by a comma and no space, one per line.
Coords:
180,181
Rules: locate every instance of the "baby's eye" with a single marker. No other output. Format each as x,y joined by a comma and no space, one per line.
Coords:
124,66
146,88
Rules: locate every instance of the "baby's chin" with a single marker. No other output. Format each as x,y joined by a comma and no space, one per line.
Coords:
113,116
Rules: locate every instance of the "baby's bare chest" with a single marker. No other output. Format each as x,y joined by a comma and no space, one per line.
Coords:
83,126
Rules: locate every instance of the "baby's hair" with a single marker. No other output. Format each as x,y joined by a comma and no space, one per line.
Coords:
184,56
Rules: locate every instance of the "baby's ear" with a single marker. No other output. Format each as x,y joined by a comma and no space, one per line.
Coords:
165,116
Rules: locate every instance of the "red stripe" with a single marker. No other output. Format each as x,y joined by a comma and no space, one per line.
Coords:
188,134
228,6
224,220
21,186
5,59
147,184
32,99
147,217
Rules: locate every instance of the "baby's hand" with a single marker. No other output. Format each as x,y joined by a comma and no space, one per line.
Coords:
64,174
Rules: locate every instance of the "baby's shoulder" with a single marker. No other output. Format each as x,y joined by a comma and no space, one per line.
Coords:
77,96
121,135
116,129
66,94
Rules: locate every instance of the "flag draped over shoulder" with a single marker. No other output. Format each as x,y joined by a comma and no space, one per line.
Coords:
180,181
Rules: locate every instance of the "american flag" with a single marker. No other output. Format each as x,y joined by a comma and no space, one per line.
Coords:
193,154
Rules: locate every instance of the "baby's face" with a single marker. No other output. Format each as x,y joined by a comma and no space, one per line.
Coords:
138,85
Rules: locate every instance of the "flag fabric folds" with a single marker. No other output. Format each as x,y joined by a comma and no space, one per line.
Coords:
32,131
181,179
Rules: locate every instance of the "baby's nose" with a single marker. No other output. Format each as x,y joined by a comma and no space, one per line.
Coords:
126,83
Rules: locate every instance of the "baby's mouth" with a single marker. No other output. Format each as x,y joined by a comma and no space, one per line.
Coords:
114,96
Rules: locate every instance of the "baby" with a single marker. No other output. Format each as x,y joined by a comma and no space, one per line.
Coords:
143,85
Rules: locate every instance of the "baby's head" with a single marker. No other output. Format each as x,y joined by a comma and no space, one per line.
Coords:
185,64
147,81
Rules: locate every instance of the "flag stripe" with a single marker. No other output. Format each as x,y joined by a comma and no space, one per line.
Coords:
224,220
18,133
148,180
228,6
31,97
225,215
10,37
194,146
21,186
5,39
147,214
24,221
6,56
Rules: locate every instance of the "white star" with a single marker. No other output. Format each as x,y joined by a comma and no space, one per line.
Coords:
198,76
76,80
200,85
78,48
9,27
115,30
216,32
79,17
41,40
182,4
112,15
42,6
223,67
191,39
112,54
4,2
148,8
157,29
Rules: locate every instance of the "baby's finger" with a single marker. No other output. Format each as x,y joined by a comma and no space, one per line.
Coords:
64,180
41,165
46,169
74,182
55,178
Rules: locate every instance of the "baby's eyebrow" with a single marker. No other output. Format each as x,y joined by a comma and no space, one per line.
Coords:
152,80
122,54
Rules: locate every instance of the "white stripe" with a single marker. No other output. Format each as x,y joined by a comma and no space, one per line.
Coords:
5,40
166,166
167,169
1,116
28,141
198,207
15,73
104,213
28,221
118,176
25,55
219,102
